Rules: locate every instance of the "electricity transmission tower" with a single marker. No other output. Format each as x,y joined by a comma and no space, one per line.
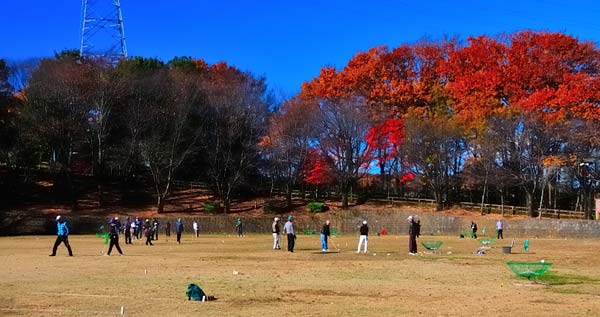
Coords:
102,33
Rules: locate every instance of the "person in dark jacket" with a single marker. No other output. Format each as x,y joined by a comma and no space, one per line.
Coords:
62,235
168,229
127,231
474,229
364,237
155,227
115,227
414,229
288,229
325,233
179,229
148,232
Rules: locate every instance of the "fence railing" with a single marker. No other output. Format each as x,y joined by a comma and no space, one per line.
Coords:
391,200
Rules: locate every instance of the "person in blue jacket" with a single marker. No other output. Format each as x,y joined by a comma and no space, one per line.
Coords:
62,235
179,229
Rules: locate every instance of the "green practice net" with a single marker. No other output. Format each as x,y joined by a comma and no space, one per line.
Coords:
486,241
529,269
309,231
432,245
103,235
468,234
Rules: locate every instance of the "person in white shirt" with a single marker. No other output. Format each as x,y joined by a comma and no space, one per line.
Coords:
499,228
276,229
195,226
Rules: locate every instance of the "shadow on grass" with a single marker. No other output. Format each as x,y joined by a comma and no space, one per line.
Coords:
552,278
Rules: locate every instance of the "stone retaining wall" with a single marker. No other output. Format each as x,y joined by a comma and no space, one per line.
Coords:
346,222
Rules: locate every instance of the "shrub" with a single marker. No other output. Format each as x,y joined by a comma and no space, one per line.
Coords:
316,206
211,207
275,207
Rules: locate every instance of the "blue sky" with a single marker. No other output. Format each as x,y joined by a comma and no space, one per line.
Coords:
286,41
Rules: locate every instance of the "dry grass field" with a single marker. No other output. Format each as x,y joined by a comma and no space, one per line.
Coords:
151,281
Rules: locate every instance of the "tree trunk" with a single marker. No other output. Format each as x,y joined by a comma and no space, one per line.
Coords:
439,203
345,199
160,204
227,204
344,190
288,196
529,198
484,192
502,202
100,195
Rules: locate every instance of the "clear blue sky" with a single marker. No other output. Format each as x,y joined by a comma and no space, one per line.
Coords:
286,41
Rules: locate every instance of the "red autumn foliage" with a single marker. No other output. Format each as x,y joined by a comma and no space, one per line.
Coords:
385,139
318,169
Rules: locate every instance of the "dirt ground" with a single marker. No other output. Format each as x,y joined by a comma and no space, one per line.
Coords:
248,278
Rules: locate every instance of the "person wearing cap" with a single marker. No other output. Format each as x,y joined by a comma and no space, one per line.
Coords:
288,229
276,230
62,235
413,232
179,229
115,226
148,232
364,237
239,227
325,233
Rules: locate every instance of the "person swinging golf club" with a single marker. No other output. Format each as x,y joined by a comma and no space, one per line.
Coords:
115,226
364,237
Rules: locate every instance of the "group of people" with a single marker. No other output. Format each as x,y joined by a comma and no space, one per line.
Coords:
499,229
132,230
150,229
363,240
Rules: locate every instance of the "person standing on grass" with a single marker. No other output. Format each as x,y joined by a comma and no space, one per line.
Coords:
148,232
414,229
195,225
132,231
179,229
325,233
474,230
499,228
239,227
168,229
288,229
115,227
276,230
127,231
62,235
138,228
364,237
155,229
